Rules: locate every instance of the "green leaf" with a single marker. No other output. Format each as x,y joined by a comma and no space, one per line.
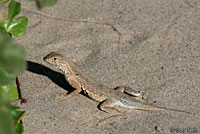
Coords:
4,0
20,114
5,77
18,27
11,92
3,30
14,107
17,115
12,56
44,3
9,117
13,9
19,128
6,122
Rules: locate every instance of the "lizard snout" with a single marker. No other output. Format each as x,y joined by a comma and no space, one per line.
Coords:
45,58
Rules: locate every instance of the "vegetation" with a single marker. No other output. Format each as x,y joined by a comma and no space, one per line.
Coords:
12,63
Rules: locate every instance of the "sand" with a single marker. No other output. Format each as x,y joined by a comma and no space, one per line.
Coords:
156,49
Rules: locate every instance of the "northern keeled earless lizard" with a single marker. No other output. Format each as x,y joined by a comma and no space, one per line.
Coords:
107,97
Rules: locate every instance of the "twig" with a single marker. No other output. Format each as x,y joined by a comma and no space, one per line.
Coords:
22,100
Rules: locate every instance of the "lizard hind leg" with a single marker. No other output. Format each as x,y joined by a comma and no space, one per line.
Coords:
128,90
107,106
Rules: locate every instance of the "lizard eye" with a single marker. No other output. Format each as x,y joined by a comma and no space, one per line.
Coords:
54,59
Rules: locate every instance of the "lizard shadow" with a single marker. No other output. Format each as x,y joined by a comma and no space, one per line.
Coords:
56,77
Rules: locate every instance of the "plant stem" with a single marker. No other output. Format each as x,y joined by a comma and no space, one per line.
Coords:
22,100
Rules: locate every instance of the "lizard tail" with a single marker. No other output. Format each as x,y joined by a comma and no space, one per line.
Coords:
149,108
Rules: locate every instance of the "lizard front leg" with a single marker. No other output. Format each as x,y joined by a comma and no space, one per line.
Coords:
75,85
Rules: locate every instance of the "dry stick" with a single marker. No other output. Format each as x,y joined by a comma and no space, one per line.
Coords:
22,100
70,20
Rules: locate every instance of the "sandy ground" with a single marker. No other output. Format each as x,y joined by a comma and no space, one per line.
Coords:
154,48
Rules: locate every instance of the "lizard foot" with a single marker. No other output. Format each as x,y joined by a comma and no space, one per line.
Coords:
65,96
129,91
73,93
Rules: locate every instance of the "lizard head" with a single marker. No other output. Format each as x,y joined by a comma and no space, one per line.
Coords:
54,58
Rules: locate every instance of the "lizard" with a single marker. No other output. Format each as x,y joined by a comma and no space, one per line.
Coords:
108,97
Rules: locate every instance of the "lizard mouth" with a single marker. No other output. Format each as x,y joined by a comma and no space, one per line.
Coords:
45,58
